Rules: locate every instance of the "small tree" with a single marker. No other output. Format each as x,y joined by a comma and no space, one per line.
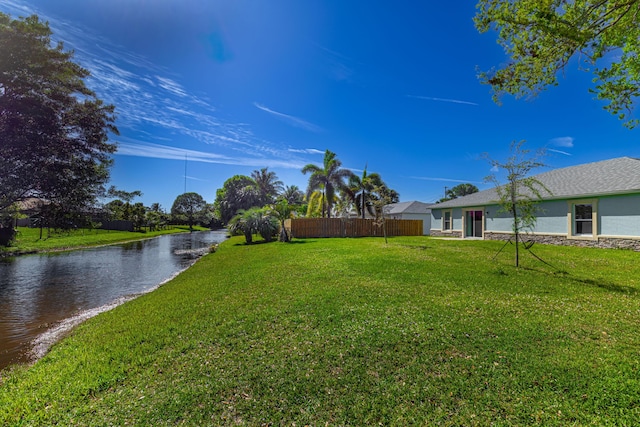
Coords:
189,207
520,195
282,210
252,221
245,222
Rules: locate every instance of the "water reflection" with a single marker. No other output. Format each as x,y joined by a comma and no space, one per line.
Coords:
36,291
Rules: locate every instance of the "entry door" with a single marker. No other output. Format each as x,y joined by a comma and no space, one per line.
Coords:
473,224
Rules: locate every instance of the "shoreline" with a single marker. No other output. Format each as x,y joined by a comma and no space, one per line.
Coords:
18,252
41,345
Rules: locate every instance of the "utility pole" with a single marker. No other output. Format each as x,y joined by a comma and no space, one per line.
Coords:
185,172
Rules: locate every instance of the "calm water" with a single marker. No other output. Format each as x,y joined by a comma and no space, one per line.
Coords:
42,294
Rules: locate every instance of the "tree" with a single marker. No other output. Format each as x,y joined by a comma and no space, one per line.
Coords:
244,222
328,179
254,220
283,211
385,197
367,190
542,36
520,195
292,195
121,208
361,189
189,207
459,190
54,130
237,193
267,184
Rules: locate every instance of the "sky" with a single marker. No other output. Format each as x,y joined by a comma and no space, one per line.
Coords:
208,89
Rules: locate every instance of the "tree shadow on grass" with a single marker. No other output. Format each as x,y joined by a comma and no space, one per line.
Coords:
260,242
600,283
421,247
613,287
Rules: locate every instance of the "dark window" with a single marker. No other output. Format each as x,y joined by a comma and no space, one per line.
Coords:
583,215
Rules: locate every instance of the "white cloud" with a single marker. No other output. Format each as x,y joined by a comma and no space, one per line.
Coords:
306,150
426,178
157,151
292,120
564,141
171,86
431,98
559,152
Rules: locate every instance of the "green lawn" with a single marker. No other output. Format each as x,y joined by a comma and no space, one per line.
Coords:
28,239
355,332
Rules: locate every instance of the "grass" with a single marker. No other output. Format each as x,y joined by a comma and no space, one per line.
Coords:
28,239
355,332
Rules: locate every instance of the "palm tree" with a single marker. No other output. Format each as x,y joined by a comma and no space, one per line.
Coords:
268,185
292,195
245,222
362,191
328,179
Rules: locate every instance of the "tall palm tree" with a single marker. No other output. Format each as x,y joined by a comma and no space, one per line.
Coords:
328,179
268,185
362,191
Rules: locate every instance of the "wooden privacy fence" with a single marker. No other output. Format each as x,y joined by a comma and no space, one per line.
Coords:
352,227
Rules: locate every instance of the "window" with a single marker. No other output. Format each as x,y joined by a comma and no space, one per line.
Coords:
446,221
583,215
583,219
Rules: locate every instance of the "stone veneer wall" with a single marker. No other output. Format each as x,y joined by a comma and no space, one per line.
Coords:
438,233
601,242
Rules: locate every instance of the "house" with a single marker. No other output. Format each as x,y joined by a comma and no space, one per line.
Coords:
595,204
29,210
411,210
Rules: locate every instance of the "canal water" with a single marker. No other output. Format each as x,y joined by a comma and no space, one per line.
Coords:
43,296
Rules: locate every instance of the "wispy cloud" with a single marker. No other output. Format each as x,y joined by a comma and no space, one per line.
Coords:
171,86
153,106
193,178
305,151
157,151
292,120
453,101
559,152
564,141
338,64
427,178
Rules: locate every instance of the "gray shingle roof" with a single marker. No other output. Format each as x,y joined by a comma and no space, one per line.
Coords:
608,177
407,207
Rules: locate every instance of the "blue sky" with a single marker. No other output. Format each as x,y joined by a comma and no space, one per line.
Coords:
236,86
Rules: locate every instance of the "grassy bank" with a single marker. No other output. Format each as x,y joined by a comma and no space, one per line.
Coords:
355,332
28,239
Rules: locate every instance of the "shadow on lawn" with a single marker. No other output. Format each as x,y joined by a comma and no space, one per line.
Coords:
608,286
260,242
600,283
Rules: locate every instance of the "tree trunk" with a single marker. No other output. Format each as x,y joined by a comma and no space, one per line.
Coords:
517,233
